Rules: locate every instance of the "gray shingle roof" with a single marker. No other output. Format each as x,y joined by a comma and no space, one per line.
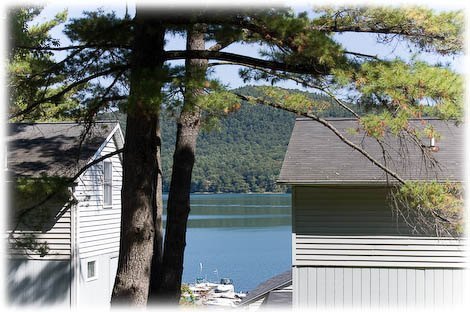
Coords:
316,155
52,149
278,281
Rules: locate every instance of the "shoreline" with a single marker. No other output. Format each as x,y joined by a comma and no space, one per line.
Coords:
233,193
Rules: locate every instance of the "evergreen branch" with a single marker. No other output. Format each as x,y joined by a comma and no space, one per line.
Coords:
57,96
375,57
74,47
379,30
56,65
221,45
243,60
67,182
415,140
329,126
95,108
94,162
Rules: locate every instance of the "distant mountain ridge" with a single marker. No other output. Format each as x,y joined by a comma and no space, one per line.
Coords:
246,152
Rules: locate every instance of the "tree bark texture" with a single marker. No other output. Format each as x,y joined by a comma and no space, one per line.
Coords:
157,258
178,209
140,164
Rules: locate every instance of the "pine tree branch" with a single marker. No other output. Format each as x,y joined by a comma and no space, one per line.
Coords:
375,57
379,30
243,60
74,47
67,182
56,96
329,126
221,45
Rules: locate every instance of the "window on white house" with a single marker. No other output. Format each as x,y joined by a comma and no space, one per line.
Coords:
108,183
91,270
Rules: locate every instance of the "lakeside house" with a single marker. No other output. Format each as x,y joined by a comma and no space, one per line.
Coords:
64,251
276,292
349,248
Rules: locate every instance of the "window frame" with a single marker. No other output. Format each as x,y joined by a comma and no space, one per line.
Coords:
95,276
108,183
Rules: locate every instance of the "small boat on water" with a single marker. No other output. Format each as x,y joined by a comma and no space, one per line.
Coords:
220,294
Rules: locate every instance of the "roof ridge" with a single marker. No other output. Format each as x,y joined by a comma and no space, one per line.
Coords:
61,122
302,118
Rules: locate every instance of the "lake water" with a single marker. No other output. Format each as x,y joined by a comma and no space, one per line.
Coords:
245,237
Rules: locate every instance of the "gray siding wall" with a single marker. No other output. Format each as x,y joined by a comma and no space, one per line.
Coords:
350,226
324,210
349,250
346,287
38,282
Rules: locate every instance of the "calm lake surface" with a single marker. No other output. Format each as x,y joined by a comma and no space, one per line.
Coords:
245,237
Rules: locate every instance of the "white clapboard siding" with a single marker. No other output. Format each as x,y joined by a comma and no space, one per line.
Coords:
354,226
361,287
55,233
99,225
38,283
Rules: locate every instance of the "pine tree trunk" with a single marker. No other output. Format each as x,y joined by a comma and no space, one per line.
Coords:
183,162
139,187
155,277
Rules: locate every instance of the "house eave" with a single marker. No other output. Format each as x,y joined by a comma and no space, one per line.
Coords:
259,296
351,182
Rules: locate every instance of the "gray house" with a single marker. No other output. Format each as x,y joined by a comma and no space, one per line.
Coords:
349,248
64,250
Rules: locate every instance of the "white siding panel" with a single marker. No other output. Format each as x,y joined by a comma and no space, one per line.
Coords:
402,287
109,230
429,288
330,286
438,287
374,287
356,287
99,252
393,287
321,287
295,288
99,226
420,287
383,287
56,233
365,287
312,286
339,286
410,287
447,290
96,294
350,287
303,287
39,282
457,287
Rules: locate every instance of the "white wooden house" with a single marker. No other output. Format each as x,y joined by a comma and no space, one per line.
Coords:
81,229
349,247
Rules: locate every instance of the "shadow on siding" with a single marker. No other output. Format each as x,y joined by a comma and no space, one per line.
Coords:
38,282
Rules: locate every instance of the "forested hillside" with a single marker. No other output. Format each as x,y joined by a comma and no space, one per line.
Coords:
244,153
